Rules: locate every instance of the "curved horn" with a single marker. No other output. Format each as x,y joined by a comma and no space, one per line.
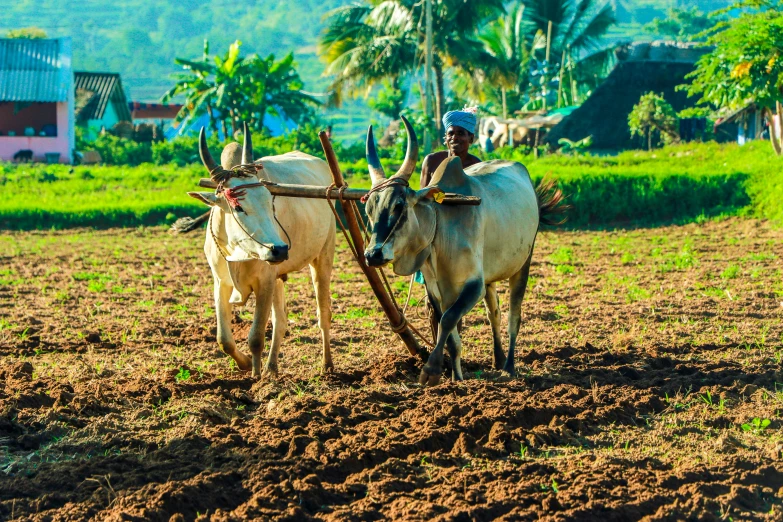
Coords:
411,155
206,157
373,162
247,149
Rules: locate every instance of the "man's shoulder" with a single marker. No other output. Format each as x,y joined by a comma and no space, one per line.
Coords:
436,157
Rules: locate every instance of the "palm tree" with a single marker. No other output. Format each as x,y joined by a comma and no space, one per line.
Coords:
240,88
362,49
577,31
507,74
365,44
517,73
273,87
195,84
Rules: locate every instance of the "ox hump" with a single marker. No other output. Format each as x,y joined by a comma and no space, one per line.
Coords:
450,174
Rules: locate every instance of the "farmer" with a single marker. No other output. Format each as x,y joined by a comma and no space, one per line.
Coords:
460,134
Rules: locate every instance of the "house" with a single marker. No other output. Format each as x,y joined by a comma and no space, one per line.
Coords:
658,67
157,113
100,102
36,100
743,125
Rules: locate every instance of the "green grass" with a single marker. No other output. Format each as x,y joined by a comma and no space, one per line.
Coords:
684,183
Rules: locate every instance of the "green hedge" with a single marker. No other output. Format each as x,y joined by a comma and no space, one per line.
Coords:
671,185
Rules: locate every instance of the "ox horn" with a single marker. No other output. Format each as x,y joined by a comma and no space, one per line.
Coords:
411,155
247,148
373,162
206,157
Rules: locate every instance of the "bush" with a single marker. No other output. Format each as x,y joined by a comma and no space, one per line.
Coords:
117,151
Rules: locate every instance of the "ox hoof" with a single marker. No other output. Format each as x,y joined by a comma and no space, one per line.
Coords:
506,376
428,379
499,364
270,373
244,363
327,368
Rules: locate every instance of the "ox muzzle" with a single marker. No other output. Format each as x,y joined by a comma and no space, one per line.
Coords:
275,254
377,257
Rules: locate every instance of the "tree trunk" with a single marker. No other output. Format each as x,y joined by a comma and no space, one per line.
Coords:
649,139
560,81
776,133
505,108
212,122
225,129
439,99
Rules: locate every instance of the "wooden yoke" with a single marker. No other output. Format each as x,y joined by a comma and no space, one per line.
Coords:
397,320
315,192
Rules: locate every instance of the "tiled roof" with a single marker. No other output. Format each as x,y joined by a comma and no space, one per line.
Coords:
35,70
105,88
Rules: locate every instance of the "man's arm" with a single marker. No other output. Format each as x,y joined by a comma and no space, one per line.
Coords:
426,175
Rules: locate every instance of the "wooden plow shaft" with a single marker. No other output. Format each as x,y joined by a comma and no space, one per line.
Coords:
387,302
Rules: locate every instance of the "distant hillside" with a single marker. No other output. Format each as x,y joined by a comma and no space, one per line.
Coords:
140,39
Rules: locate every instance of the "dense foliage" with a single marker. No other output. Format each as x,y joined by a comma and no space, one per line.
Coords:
654,117
746,65
673,184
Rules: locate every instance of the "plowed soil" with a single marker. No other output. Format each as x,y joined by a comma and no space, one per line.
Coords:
650,388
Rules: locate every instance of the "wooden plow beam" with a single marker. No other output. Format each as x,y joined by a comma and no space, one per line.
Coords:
396,319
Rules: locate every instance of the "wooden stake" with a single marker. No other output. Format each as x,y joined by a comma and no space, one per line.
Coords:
387,303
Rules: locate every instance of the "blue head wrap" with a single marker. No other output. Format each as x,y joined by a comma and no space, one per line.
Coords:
466,118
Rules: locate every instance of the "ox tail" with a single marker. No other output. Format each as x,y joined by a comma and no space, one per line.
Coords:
552,208
186,224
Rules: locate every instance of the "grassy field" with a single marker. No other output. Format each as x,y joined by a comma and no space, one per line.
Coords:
675,184
649,388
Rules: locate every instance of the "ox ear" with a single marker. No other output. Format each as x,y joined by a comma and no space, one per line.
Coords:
209,198
434,193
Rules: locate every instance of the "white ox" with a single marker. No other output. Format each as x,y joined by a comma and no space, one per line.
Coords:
462,251
246,245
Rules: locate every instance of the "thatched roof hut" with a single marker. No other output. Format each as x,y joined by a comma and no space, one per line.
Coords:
642,67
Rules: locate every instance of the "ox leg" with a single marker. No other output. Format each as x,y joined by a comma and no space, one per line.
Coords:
518,284
454,344
321,274
224,336
279,324
467,299
255,339
492,302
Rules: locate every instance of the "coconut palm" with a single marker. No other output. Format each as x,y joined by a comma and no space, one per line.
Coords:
578,28
517,74
504,79
365,44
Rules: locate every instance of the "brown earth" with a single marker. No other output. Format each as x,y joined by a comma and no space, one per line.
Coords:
650,388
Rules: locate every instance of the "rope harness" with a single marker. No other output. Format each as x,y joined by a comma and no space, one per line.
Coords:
234,196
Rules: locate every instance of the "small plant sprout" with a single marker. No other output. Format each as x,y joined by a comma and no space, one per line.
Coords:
756,426
183,375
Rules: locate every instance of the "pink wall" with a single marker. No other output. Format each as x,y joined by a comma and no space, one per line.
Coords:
10,145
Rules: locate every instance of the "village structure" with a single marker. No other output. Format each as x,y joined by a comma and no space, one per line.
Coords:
43,100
